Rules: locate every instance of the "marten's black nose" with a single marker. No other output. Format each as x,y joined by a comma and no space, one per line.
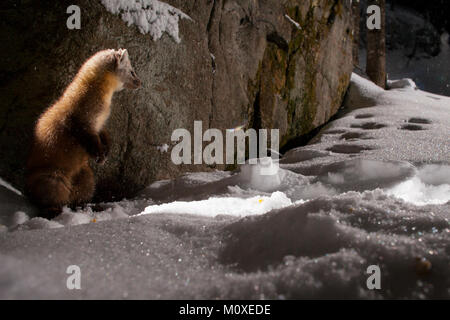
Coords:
137,83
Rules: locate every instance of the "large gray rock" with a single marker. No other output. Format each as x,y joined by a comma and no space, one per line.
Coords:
238,62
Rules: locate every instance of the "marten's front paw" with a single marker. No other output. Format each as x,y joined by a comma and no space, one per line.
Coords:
101,159
105,141
101,156
105,150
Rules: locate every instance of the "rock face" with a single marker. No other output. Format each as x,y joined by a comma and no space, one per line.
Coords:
266,64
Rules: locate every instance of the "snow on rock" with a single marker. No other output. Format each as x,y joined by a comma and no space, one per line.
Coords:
402,84
150,16
9,186
163,148
295,23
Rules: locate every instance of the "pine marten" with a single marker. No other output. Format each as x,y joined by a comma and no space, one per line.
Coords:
71,131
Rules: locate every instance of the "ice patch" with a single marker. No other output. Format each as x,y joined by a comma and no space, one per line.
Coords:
224,206
150,16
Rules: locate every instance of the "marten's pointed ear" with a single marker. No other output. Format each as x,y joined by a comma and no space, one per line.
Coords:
121,55
124,55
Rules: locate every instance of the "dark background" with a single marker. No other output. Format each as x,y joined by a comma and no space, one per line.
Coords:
435,11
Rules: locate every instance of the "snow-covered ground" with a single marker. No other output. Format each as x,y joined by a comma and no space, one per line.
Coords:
373,188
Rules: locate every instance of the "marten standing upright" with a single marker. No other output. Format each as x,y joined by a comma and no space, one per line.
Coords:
71,130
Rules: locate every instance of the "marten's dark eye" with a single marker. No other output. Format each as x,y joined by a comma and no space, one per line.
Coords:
133,73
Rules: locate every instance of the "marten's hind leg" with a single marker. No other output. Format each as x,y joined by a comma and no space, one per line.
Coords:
83,187
49,190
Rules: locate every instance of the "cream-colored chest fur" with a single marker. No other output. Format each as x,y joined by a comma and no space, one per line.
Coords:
111,84
101,119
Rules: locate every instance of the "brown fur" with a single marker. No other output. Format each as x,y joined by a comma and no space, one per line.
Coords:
71,131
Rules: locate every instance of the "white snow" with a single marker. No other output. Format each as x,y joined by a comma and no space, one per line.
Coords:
163,148
402,84
373,188
19,217
38,223
150,16
232,206
431,190
295,23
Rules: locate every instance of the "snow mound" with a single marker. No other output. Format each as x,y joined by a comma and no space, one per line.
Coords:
38,223
402,84
14,208
430,186
264,176
150,16
26,220
363,93
288,245
229,206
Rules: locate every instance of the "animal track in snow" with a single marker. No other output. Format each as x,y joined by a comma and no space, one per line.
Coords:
369,126
364,116
419,121
354,135
335,131
348,148
412,127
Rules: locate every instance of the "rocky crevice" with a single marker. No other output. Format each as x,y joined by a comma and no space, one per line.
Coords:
213,62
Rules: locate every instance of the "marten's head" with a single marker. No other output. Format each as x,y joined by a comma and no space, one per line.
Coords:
124,71
112,65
